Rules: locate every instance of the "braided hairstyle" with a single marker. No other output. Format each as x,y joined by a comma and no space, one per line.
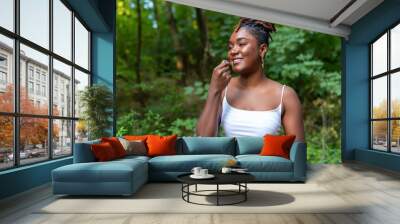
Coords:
260,29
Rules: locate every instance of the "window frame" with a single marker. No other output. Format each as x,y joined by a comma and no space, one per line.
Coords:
388,74
16,114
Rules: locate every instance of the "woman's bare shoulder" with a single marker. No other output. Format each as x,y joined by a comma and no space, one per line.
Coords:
289,94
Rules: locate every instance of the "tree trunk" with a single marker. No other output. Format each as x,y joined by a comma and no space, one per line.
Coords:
158,40
205,44
140,94
323,131
182,57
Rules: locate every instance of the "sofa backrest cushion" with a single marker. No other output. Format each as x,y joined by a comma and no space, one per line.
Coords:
249,145
206,145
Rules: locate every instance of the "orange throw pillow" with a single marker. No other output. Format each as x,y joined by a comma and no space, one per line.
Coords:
277,145
116,145
161,145
103,151
135,137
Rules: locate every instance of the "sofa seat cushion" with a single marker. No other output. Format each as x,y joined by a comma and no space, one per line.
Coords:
257,163
133,157
185,163
111,171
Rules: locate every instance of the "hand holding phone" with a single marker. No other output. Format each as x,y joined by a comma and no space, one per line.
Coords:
221,76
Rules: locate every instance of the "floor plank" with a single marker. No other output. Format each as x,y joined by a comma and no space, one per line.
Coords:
377,190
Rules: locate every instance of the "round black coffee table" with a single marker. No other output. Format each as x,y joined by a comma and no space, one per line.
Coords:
238,179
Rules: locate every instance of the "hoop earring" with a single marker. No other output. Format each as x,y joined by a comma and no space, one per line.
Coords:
262,62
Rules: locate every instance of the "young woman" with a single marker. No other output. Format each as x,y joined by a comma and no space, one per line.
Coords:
250,104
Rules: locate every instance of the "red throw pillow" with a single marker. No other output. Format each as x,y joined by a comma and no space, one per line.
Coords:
103,151
116,145
161,145
275,145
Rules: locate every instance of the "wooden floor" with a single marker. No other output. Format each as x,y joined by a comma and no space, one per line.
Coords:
377,188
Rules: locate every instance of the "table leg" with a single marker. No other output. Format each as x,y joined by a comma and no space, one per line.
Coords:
245,193
217,194
188,189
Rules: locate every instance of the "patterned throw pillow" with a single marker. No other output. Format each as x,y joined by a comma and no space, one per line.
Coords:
135,147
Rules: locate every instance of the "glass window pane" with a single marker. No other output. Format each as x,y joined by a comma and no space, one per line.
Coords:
6,142
81,45
33,140
7,14
81,131
395,94
81,81
6,74
34,80
379,97
35,21
62,29
395,47
62,138
62,89
379,55
395,136
379,135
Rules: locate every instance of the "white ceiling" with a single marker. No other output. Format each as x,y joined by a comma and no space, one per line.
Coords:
316,15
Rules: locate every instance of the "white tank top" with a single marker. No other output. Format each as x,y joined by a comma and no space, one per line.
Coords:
238,122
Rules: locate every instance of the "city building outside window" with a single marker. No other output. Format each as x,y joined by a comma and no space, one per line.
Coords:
58,125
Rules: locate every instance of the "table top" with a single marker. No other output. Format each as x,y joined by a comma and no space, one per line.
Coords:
220,178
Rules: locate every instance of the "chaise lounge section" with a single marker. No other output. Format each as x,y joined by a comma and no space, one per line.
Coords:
125,176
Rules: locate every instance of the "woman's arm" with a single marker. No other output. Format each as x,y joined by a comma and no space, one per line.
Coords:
292,117
207,124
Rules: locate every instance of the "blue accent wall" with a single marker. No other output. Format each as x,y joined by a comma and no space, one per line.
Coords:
24,178
103,63
99,16
355,85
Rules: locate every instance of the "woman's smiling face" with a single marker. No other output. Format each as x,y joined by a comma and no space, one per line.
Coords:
244,54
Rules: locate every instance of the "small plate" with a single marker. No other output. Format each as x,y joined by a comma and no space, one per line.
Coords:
208,176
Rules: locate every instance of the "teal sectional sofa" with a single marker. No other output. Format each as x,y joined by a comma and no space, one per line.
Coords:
125,176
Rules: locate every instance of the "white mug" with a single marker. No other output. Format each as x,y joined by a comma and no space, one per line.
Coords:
226,170
203,172
196,170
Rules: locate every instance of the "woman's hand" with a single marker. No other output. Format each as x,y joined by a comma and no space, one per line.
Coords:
220,77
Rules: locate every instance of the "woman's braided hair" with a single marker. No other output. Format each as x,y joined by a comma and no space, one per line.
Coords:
260,29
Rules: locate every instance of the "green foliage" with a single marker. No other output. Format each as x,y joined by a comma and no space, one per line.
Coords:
315,155
199,89
308,62
183,127
97,102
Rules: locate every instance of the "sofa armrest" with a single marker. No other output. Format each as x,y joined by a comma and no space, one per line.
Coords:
83,152
298,155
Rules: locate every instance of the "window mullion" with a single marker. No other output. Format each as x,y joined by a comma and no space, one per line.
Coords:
16,85
389,93
73,83
50,81
371,89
